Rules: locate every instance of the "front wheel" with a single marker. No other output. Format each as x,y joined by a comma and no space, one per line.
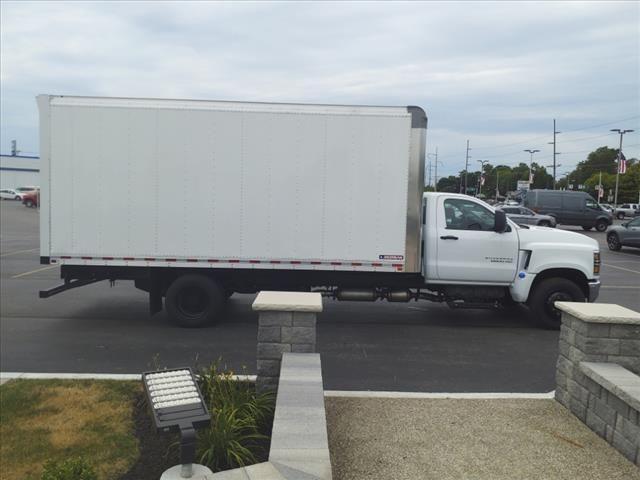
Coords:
549,291
194,300
544,223
29,203
601,225
613,242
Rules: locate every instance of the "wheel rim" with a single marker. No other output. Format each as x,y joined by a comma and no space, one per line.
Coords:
612,241
192,302
559,296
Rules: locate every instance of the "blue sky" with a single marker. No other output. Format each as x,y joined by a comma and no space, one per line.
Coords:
496,73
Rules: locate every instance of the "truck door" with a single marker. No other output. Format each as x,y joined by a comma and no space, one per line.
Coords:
469,250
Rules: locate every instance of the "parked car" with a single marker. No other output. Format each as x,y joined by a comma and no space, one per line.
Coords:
569,208
625,235
523,215
10,194
626,210
27,189
607,207
30,199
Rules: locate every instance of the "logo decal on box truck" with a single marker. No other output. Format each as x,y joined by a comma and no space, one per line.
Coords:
391,257
499,259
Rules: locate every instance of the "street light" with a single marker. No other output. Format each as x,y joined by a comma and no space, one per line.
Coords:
531,165
177,405
482,162
621,132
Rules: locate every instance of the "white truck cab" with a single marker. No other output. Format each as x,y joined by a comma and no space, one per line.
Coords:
538,265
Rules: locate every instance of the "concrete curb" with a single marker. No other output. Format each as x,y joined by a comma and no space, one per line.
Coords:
6,376
441,395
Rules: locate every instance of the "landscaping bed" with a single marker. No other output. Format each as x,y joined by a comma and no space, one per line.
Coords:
107,425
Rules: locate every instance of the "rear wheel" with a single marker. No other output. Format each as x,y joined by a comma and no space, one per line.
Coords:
549,291
29,203
613,242
620,215
194,300
601,225
544,223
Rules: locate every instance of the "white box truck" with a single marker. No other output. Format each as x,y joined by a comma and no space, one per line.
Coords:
196,200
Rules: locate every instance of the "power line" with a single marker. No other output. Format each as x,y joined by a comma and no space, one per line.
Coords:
546,136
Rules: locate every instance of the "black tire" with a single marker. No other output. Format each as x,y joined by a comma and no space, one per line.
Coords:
601,225
551,290
194,300
17,198
620,216
544,223
29,203
586,229
613,241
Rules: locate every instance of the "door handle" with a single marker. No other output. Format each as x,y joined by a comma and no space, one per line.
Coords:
448,237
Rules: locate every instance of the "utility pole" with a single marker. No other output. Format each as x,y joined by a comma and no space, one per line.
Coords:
621,132
466,169
554,152
435,183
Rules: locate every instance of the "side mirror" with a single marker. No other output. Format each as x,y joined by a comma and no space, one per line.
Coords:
500,221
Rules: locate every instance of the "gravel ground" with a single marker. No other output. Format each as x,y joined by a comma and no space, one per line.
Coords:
443,439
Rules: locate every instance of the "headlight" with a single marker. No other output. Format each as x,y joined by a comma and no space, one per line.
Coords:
596,263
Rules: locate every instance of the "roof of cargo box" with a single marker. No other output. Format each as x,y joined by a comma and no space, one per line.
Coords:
418,113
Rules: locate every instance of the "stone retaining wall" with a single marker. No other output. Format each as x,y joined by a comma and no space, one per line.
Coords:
597,338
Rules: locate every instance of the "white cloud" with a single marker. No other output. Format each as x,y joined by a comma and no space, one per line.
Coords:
493,72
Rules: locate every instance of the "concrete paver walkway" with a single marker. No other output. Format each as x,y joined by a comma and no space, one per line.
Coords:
421,439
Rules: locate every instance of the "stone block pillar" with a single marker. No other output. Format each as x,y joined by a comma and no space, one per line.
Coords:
286,323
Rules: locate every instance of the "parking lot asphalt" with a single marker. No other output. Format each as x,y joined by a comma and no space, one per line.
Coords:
364,346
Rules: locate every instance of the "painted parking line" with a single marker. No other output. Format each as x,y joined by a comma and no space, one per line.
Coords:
18,252
621,268
34,271
625,254
620,287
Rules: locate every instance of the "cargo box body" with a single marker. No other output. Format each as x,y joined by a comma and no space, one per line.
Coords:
207,184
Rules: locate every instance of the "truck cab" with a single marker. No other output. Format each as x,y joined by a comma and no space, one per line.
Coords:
473,252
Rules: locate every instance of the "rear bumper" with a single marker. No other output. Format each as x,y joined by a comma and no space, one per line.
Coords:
594,290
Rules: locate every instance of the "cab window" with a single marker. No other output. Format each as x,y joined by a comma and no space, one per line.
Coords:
461,214
592,204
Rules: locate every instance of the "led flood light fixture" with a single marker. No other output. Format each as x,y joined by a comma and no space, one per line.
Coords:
177,405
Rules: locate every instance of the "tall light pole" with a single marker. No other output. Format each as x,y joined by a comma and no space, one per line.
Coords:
531,152
482,162
621,132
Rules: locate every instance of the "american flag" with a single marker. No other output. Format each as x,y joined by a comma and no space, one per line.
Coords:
622,163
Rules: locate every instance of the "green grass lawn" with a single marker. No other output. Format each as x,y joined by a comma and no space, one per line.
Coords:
109,425
43,420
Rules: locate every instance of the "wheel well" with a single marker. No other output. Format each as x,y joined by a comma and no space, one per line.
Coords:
575,276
